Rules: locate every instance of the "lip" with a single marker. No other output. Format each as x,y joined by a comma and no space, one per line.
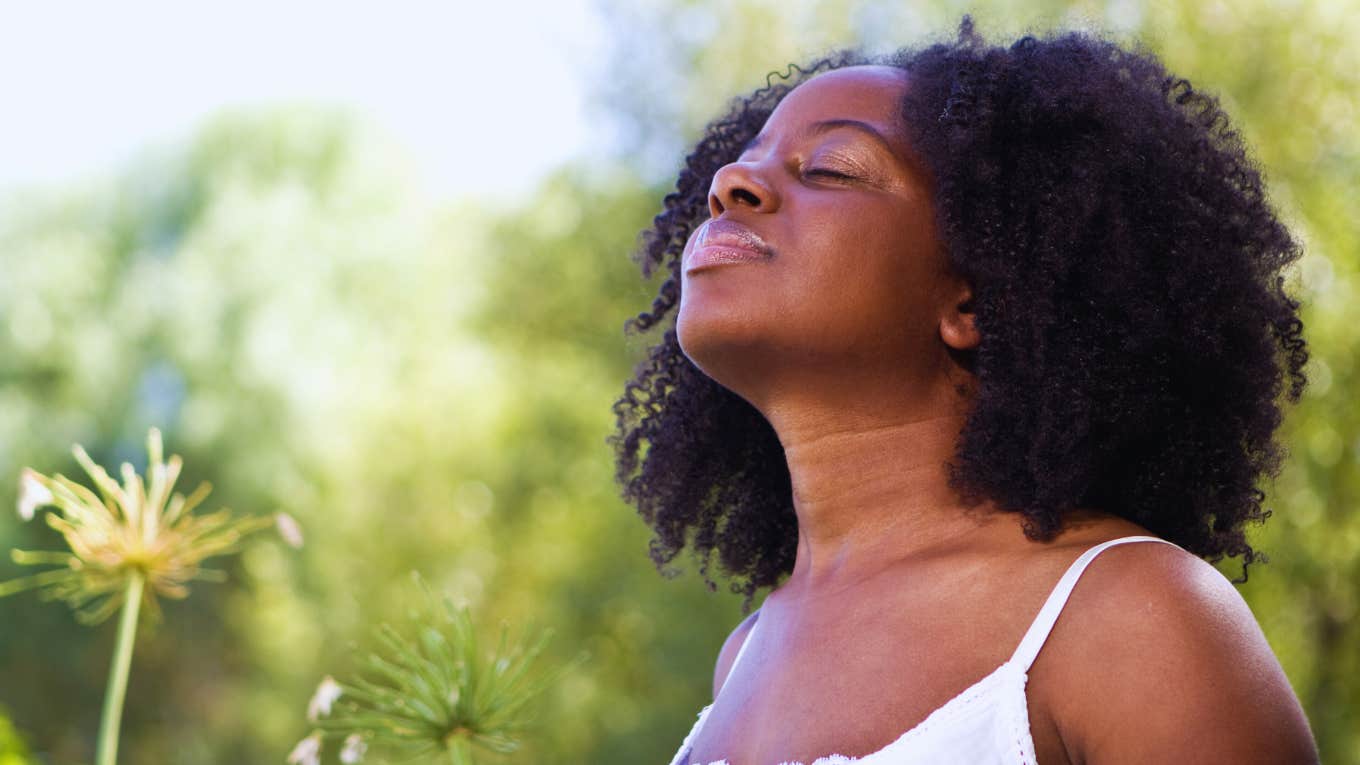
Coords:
722,242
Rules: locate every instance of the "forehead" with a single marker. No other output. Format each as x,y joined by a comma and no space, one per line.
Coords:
867,93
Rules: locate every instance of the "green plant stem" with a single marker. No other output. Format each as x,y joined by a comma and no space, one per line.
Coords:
106,752
460,751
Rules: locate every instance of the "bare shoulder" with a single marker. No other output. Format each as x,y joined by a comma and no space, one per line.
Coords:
728,655
1157,658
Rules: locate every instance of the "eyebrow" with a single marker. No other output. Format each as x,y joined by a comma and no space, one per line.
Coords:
825,126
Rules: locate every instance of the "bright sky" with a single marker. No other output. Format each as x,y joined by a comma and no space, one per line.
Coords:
488,95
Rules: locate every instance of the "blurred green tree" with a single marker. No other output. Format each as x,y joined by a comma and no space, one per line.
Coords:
422,387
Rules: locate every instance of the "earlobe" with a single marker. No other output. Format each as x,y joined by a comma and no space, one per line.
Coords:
958,327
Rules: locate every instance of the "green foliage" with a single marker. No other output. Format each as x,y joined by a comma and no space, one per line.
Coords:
321,339
13,750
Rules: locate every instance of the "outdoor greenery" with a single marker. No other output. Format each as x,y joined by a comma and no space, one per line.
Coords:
425,385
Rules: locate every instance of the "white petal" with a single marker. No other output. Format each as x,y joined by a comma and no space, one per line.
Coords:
32,494
307,751
325,695
353,750
288,529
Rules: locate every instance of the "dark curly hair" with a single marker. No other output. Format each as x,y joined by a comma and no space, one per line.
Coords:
1126,274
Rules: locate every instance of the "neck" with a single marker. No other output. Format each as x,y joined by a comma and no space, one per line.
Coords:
870,489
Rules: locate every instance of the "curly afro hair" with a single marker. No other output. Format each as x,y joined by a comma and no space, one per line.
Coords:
1126,271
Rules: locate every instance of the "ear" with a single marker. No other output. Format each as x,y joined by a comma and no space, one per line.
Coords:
957,326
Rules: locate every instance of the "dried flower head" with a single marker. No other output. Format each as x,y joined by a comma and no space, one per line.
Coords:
134,528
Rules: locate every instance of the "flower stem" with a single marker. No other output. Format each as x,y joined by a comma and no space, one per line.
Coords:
460,751
106,752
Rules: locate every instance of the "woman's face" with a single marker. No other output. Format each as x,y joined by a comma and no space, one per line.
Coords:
820,259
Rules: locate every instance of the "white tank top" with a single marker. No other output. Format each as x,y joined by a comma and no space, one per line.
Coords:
987,724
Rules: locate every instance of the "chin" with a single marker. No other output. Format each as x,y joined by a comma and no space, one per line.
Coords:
731,347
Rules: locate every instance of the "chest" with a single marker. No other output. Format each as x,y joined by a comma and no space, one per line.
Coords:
852,685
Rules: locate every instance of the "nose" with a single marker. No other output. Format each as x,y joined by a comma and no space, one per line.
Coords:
739,184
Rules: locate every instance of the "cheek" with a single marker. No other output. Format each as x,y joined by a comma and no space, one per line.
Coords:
869,280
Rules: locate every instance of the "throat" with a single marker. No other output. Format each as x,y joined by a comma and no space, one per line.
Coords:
876,497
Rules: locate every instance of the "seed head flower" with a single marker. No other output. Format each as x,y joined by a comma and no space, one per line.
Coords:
126,529
430,690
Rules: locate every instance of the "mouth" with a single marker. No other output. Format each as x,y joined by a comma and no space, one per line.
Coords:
723,242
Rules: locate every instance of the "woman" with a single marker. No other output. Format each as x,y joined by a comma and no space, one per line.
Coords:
950,325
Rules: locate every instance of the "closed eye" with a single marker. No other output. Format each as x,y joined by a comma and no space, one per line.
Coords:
828,173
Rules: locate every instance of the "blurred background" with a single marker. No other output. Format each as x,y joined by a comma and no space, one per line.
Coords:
371,268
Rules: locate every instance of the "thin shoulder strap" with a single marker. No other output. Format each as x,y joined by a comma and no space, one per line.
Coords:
744,642
682,756
1048,615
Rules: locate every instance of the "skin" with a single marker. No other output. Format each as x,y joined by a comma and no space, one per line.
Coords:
900,597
